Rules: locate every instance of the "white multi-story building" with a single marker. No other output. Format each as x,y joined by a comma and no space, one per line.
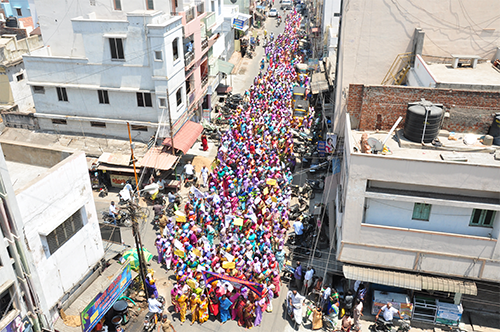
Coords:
15,95
57,220
106,64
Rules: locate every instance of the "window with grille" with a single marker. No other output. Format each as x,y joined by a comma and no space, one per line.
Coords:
61,94
38,89
116,47
6,303
482,218
421,211
150,4
118,4
103,96
144,99
175,48
178,97
59,236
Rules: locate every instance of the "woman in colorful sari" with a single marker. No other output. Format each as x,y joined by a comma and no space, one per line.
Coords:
276,282
224,309
234,298
248,314
213,302
173,297
203,309
240,304
259,308
194,302
182,301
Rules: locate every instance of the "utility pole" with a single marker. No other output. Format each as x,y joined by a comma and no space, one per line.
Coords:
132,207
171,130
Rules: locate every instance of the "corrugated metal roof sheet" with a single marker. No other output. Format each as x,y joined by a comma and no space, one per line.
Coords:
185,137
319,83
157,159
449,285
383,277
122,159
409,281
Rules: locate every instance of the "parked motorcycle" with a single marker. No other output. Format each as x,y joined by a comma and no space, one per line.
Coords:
385,326
122,217
190,180
103,191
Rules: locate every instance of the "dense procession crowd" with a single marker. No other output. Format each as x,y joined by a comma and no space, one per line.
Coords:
238,227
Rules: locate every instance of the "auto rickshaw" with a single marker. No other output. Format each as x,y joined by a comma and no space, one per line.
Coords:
300,111
299,93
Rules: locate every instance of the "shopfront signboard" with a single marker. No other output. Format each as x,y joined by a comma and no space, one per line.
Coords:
100,305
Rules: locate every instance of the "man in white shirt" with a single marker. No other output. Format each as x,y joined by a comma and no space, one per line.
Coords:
155,306
189,170
113,212
308,278
388,312
299,230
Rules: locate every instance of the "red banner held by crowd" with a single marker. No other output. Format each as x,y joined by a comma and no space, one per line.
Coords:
253,286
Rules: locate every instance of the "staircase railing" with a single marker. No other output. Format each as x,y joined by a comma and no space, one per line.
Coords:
399,69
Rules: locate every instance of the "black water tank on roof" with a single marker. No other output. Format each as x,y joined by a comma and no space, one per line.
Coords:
495,126
11,22
423,115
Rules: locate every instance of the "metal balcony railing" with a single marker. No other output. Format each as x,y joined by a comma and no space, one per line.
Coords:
200,8
204,81
191,97
188,58
204,44
190,14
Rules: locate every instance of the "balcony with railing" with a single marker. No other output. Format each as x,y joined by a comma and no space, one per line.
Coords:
200,8
188,58
204,44
210,20
204,80
190,14
191,97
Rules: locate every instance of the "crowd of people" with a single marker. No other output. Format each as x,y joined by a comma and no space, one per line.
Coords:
237,228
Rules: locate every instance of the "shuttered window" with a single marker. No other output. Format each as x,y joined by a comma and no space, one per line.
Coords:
482,218
65,231
421,211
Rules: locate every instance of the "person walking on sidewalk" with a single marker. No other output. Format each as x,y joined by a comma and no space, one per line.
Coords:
298,277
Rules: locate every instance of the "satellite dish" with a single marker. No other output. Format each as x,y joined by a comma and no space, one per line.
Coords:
375,144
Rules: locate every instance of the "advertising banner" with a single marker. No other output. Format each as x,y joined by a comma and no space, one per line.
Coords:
100,305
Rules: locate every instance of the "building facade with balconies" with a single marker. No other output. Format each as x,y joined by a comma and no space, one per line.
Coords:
104,67
200,19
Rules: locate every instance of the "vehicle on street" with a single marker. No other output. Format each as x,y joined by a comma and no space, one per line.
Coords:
273,12
286,4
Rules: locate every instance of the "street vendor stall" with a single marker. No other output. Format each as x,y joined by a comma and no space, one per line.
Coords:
399,301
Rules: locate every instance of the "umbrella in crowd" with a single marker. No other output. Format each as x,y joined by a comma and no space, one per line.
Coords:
134,258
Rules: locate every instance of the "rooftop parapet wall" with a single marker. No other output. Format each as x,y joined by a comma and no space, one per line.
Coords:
373,107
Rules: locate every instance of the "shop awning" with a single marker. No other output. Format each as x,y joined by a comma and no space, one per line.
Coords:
383,277
319,83
157,159
185,137
408,280
449,285
113,168
122,159
225,67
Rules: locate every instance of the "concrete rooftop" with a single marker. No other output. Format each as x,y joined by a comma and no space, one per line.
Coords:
483,74
21,174
400,147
